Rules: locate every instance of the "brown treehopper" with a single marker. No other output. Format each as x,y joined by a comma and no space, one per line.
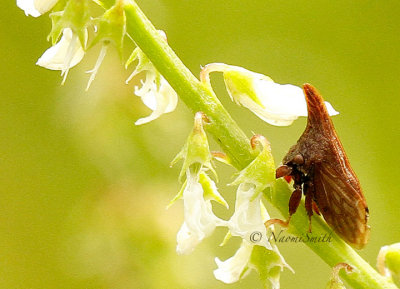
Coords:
321,171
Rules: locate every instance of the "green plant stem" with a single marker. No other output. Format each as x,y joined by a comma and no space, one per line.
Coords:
198,97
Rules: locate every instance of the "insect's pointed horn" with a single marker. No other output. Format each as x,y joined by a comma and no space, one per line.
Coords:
317,113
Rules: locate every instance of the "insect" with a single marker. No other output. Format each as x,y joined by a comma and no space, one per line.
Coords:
321,171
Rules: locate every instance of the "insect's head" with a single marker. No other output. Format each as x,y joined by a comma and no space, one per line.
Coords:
293,164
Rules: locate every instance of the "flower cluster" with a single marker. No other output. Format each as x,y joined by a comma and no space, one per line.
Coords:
248,219
71,21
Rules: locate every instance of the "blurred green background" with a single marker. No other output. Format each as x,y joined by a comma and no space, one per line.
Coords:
84,191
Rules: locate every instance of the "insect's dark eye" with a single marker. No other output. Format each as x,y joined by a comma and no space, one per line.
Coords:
298,160
283,171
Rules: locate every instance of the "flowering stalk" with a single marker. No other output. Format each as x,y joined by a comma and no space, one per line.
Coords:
199,97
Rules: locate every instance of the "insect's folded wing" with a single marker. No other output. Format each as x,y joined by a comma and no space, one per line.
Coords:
341,204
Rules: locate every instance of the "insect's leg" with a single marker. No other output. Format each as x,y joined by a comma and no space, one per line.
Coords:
280,222
315,208
309,192
295,198
294,203
309,209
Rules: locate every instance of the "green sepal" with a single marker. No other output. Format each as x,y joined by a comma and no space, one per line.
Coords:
75,16
136,54
227,237
239,83
100,3
210,190
60,5
143,64
111,27
196,152
178,196
57,28
56,16
268,264
260,172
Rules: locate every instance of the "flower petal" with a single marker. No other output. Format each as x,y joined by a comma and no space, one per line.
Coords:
247,221
277,104
186,240
200,220
67,53
234,268
283,103
162,100
36,8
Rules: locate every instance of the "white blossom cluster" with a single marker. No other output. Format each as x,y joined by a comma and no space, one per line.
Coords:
247,222
72,45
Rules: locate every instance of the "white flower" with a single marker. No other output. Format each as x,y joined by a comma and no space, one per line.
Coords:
156,93
36,7
247,220
67,53
199,219
281,104
236,267
159,98
277,104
